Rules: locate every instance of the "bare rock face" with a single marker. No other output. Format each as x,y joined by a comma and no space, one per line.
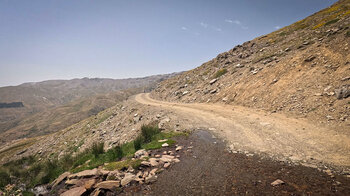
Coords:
77,191
109,185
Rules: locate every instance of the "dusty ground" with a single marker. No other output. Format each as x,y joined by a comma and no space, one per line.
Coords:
210,169
267,134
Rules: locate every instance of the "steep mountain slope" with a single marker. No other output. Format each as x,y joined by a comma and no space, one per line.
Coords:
302,70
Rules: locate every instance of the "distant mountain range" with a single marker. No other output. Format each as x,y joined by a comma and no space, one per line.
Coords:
52,105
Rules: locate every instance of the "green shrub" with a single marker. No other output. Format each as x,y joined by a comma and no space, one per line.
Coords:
67,161
4,179
114,154
97,149
220,73
51,171
138,142
331,21
148,131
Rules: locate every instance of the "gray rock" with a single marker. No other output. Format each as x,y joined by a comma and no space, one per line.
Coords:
343,92
213,91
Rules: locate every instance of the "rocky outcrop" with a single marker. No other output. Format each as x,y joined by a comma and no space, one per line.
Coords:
99,181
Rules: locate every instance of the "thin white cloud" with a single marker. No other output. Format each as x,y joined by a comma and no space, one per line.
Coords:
277,27
205,25
217,29
184,28
237,22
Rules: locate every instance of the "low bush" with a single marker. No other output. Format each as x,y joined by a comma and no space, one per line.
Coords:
97,149
220,73
4,179
32,172
138,142
148,131
331,21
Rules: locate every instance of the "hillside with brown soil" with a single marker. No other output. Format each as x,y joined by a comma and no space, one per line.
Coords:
302,70
50,106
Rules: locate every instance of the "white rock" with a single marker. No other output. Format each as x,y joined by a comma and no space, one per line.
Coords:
165,145
178,148
277,182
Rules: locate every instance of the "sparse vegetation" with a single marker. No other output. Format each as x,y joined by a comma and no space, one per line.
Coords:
97,149
331,21
220,73
31,171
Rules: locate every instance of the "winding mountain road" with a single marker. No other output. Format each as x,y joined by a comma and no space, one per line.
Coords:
255,131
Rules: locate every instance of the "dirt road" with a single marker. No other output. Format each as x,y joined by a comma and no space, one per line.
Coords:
274,135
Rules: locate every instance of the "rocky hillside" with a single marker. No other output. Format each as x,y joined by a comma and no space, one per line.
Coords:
302,70
40,96
58,118
50,106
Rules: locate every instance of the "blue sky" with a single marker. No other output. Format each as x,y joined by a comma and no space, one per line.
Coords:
64,39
